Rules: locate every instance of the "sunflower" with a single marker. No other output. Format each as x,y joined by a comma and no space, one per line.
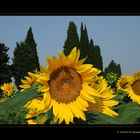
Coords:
111,76
124,81
36,108
133,87
8,89
28,82
105,102
65,85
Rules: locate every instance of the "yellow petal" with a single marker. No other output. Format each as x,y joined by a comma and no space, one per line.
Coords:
66,115
31,121
31,75
70,114
61,113
72,56
109,112
78,63
56,62
90,90
77,55
43,79
51,64
110,103
55,108
24,86
44,88
87,97
47,98
41,106
78,113
84,68
89,74
24,81
81,107
82,102
43,69
63,59
28,79
107,96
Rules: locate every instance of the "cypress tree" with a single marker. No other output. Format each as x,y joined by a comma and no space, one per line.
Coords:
31,42
91,53
119,70
84,43
25,58
72,39
5,68
98,60
87,50
113,67
112,73
94,56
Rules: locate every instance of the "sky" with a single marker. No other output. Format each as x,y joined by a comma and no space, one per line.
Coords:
117,36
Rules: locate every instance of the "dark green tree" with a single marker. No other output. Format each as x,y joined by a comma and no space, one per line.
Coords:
91,53
113,67
87,50
72,38
98,60
31,42
112,73
25,58
94,56
5,68
84,43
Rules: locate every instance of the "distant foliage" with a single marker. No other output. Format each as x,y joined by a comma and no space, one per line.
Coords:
5,68
87,49
94,56
31,42
113,67
72,38
84,43
25,58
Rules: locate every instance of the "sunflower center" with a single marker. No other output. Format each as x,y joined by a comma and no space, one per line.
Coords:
136,87
96,107
8,88
65,84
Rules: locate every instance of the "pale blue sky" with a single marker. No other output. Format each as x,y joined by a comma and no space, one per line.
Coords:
117,36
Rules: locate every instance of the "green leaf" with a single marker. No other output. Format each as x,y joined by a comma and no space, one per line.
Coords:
99,118
122,97
14,118
49,115
16,103
129,113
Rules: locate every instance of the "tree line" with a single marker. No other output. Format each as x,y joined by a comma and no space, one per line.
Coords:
88,49
25,57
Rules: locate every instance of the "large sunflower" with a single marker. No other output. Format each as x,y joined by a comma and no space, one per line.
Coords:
105,102
132,87
65,84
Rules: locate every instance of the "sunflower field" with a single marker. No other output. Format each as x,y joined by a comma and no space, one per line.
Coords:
68,91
